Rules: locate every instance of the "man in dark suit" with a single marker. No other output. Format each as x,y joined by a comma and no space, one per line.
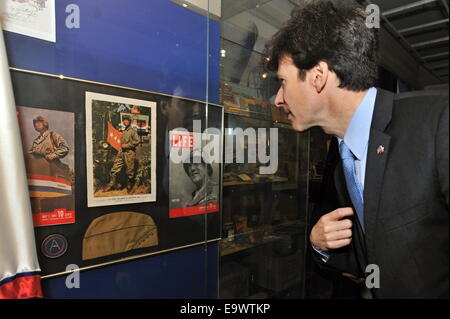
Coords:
386,214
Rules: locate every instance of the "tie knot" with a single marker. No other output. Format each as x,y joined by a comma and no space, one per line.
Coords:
346,153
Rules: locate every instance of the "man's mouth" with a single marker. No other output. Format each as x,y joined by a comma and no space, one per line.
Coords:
289,114
195,174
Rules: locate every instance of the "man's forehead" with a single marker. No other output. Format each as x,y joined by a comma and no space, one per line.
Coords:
284,61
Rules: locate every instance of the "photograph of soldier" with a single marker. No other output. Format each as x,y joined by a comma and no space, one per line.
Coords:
126,156
193,183
120,150
48,145
200,175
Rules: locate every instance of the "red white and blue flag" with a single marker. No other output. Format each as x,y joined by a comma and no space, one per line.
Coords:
19,267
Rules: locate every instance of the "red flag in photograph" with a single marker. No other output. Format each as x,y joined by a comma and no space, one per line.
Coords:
114,137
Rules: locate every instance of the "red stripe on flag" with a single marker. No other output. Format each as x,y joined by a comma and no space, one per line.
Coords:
22,288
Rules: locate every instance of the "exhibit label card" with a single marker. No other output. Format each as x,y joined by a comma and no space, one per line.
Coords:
34,18
121,150
49,142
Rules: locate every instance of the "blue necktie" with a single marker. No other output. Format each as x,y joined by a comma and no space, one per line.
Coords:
353,185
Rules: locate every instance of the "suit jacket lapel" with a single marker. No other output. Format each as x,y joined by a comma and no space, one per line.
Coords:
377,154
341,187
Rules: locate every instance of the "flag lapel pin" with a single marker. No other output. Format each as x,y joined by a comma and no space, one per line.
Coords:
380,149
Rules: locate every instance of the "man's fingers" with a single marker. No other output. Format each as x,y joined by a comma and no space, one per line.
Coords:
338,214
339,243
338,235
339,225
330,232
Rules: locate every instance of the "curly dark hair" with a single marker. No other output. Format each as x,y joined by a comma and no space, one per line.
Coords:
334,32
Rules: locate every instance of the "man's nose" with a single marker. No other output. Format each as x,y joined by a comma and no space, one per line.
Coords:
194,169
279,99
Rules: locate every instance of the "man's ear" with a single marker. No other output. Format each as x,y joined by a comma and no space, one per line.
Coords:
320,73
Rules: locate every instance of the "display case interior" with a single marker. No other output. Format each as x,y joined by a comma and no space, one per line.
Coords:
264,216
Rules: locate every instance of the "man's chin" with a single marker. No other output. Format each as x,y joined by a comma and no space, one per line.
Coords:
297,126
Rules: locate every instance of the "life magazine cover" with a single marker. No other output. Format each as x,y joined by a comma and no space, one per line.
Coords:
194,174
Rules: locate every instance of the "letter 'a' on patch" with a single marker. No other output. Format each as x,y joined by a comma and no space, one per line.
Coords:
54,246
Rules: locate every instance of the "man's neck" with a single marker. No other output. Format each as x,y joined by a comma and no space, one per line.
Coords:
342,106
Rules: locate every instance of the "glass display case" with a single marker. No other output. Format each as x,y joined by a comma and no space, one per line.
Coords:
264,216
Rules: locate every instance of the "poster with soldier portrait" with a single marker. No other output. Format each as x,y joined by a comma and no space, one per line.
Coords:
194,181
121,150
48,141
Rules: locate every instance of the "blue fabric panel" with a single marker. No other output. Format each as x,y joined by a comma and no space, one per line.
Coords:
151,45
187,273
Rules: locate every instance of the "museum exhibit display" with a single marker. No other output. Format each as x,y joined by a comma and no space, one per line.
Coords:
76,197
102,120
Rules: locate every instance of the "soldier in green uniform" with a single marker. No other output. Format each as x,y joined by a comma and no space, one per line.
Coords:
126,156
48,144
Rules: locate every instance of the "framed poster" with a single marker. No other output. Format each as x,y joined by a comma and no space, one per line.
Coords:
33,18
48,139
121,150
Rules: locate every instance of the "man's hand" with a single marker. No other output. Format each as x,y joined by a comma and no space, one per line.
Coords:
330,232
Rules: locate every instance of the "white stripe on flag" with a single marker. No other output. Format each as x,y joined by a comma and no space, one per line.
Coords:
44,183
17,242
